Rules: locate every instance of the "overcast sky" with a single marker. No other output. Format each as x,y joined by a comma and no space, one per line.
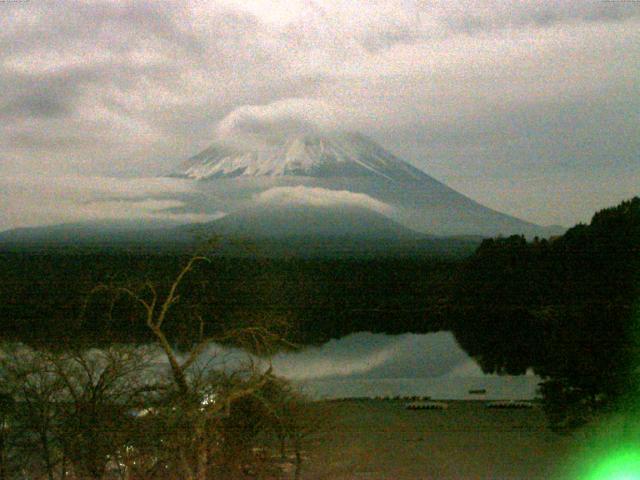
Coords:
529,107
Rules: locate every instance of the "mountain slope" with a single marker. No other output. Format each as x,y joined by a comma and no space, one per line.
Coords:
290,221
339,155
95,235
337,186
350,162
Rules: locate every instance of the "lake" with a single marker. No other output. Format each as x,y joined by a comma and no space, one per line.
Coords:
371,365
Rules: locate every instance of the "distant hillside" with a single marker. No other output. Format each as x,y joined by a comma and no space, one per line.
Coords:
299,232
296,221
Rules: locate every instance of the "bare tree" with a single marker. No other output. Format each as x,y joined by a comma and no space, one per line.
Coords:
29,379
155,411
71,408
7,405
99,388
198,404
293,419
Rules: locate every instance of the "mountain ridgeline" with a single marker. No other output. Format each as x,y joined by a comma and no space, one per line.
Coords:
335,193
338,173
338,155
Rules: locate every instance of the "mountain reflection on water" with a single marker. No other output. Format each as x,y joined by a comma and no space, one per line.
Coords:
369,365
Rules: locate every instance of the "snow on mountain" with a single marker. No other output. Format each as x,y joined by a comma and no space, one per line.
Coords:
318,187
335,170
336,155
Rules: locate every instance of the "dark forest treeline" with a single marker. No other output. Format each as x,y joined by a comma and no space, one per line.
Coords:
566,307
43,297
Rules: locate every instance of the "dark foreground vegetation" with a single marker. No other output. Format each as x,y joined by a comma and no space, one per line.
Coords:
108,415
153,412
566,307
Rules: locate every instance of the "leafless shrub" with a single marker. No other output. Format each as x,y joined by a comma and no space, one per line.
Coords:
70,417
159,411
211,421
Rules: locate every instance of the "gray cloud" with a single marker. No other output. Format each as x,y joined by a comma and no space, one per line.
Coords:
320,197
518,90
27,201
35,105
478,16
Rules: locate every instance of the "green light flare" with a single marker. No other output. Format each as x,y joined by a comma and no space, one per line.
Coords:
608,450
614,453
621,465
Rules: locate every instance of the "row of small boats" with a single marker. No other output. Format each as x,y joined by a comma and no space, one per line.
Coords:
506,404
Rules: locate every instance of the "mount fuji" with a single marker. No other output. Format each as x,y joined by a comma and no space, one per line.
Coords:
336,191
296,185
339,155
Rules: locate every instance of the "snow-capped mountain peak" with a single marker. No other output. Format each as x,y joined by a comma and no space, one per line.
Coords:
311,172
320,156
